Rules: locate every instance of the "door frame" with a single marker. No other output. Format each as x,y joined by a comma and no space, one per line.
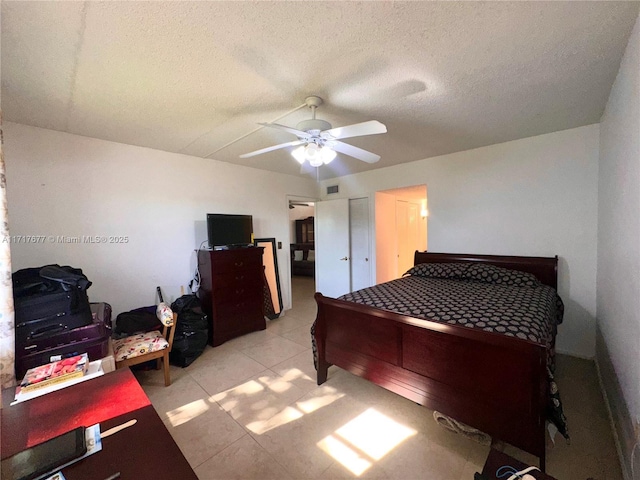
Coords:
293,198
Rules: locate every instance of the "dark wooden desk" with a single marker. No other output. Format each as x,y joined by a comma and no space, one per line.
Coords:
145,450
497,459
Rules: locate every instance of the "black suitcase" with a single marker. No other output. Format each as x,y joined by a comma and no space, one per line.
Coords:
92,339
49,300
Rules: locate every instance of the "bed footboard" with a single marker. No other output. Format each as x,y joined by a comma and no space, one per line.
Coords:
492,382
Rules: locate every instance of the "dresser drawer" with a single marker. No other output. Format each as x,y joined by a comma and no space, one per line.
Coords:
236,310
242,278
238,324
232,261
237,294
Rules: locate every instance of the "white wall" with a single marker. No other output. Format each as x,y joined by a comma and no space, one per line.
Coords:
619,226
67,185
536,196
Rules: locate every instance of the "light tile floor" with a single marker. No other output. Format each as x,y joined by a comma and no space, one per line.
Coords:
251,409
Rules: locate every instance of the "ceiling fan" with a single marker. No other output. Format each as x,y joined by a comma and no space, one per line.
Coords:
318,142
297,204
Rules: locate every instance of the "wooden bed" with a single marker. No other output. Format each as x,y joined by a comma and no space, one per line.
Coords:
492,382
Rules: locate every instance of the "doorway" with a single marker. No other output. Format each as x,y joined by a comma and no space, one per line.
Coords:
302,251
401,229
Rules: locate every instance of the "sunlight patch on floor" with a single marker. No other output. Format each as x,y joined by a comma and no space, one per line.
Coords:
294,374
278,385
294,412
229,398
187,412
289,414
313,404
364,440
348,457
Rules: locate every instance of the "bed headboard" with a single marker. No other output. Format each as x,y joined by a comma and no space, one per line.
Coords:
544,268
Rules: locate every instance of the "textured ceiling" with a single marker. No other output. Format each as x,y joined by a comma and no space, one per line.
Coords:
191,77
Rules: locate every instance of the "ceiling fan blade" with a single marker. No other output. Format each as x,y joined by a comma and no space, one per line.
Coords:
274,147
298,133
371,127
355,152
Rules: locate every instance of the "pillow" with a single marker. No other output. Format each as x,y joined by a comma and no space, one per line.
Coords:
297,255
311,256
499,276
438,270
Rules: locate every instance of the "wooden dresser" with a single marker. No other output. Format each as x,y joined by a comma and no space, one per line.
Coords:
231,292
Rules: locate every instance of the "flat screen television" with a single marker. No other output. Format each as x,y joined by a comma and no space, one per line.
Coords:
230,231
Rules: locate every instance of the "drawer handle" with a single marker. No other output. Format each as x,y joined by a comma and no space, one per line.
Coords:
240,290
239,264
239,277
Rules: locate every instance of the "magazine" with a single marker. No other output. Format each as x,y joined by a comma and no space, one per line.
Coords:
54,373
94,370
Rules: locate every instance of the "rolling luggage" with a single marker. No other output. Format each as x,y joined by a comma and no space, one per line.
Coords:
49,300
92,339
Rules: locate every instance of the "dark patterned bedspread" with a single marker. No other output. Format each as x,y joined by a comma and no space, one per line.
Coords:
476,296
523,312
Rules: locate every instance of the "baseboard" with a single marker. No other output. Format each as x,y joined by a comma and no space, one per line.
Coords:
619,416
573,354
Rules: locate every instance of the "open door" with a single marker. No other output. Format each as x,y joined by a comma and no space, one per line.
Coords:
332,248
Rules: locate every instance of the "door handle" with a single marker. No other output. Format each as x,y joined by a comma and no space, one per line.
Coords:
345,258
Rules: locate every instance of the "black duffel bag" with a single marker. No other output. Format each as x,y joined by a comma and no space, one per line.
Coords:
139,320
192,331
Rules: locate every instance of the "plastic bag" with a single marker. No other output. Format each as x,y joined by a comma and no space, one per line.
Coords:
192,331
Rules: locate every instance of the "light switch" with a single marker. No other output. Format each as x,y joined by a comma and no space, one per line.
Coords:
279,245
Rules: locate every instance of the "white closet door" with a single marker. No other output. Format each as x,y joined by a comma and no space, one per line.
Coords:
332,247
360,244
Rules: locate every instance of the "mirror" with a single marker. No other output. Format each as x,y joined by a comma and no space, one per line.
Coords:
272,294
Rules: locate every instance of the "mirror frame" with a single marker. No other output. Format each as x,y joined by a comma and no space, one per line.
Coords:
265,242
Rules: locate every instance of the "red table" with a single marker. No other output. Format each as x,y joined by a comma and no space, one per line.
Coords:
145,450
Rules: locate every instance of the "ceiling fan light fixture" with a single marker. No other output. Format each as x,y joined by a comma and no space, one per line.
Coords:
315,159
327,155
311,151
299,154
313,154
316,155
